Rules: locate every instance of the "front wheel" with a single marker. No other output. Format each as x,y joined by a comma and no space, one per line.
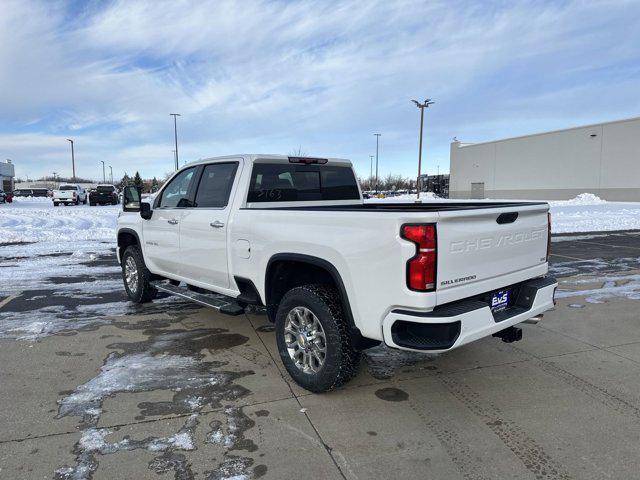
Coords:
136,276
313,339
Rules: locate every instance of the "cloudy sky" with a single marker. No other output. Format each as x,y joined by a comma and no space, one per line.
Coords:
276,76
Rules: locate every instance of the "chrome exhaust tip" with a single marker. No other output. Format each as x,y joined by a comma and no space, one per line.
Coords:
534,320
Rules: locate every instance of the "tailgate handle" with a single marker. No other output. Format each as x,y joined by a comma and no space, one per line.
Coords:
509,217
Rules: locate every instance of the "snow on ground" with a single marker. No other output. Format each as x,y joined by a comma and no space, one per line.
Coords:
37,220
589,213
584,213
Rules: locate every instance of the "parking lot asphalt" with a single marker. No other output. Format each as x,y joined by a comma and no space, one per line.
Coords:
94,387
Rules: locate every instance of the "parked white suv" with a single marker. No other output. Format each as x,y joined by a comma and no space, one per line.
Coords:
69,194
336,275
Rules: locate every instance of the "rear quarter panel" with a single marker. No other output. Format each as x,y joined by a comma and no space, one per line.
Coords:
365,248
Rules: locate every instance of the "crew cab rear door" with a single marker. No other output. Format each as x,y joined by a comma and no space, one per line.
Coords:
204,227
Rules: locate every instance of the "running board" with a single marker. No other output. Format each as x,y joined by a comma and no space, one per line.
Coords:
216,301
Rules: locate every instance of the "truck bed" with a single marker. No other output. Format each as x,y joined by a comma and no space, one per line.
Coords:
407,207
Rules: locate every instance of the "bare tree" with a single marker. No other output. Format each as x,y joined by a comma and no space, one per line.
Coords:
298,152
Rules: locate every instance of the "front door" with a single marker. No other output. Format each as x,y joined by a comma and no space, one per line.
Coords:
161,232
204,227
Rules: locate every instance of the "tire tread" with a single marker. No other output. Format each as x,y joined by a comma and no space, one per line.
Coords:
337,373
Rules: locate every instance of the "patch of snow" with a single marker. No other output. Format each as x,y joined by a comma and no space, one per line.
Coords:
37,220
582,199
92,439
622,286
408,198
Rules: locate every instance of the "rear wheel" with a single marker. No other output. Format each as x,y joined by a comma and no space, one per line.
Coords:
313,338
136,276
55,204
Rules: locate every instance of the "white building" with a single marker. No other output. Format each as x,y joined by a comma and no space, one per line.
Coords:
603,159
7,173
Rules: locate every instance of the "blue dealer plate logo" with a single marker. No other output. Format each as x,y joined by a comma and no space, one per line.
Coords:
500,300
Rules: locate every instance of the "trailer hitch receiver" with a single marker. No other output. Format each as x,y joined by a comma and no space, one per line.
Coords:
509,335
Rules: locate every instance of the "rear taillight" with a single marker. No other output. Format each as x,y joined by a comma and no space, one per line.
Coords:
421,268
74,194
548,235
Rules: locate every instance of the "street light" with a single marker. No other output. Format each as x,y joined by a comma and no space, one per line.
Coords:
104,177
73,161
111,173
421,106
175,133
370,169
377,135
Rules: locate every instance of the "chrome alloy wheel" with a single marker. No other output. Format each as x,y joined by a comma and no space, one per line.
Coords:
305,340
131,274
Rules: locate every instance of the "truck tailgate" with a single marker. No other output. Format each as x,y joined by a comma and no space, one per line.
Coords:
506,245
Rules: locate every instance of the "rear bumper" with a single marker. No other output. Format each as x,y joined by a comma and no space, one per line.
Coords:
452,325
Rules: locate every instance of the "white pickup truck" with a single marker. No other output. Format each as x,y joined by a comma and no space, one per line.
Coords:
69,194
335,274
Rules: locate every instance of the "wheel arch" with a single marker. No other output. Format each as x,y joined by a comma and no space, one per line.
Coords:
289,270
126,237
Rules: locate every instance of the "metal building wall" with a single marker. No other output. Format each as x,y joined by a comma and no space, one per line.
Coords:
603,159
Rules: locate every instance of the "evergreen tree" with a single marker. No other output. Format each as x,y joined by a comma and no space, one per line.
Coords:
154,185
137,181
126,180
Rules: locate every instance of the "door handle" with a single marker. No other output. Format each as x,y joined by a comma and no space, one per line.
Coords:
216,224
173,221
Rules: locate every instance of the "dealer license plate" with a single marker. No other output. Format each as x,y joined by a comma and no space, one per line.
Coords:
500,300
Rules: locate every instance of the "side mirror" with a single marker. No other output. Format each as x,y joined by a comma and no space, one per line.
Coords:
145,210
131,199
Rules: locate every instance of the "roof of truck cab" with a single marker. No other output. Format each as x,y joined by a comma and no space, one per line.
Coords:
252,157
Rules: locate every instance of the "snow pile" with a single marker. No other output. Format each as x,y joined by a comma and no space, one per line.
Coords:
37,220
408,198
32,200
589,213
582,199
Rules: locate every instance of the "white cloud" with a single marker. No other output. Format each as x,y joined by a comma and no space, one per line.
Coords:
269,76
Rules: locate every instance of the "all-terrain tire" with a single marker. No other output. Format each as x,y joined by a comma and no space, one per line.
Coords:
141,291
341,359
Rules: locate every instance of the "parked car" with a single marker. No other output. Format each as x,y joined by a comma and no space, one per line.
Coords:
22,192
103,195
294,235
69,194
40,192
6,197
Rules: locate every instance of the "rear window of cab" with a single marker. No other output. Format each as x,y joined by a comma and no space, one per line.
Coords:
282,182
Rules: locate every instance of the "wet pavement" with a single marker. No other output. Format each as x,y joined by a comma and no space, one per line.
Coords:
93,387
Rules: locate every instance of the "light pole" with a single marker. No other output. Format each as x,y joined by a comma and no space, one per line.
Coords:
111,173
370,169
175,133
73,161
104,178
421,106
377,135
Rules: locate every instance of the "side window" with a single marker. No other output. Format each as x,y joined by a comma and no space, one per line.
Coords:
176,192
215,185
